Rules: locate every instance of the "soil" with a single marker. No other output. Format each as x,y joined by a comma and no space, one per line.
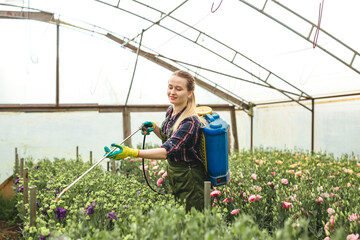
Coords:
9,232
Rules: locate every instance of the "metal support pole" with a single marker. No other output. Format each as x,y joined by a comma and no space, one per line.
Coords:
33,206
57,90
207,198
312,125
26,189
77,153
91,157
16,162
21,167
251,132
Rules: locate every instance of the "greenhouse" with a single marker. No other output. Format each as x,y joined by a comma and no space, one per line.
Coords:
284,76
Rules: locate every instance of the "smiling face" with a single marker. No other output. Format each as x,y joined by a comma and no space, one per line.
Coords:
177,91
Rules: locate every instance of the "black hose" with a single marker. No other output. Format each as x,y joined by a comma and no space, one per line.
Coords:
143,165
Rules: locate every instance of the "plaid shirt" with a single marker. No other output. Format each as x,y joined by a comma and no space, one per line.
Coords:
184,143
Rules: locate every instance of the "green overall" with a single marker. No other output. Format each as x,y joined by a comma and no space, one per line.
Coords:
186,180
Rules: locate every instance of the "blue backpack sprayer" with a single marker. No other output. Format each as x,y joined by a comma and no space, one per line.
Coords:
214,146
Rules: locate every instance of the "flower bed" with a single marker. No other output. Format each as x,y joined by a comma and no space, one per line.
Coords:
271,194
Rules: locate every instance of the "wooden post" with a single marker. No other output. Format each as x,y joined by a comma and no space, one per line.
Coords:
234,128
32,206
207,198
91,157
26,190
21,167
113,166
16,162
77,153
108,166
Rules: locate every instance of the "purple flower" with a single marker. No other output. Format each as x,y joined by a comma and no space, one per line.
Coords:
90,210
60,212
57,191
17,181
37,204
44,237
44,211
20,189
138,192
36,166
112,216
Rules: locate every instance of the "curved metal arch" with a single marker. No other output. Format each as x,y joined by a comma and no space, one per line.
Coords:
307,38
301,95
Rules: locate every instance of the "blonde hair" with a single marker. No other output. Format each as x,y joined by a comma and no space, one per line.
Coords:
191,104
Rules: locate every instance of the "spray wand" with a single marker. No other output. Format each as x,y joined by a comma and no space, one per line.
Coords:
97,163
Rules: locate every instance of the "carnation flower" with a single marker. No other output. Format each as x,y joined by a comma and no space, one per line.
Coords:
284,181
215,193
352,237
320,200
286,205
235,211
252,198
330,211
253,176
159,181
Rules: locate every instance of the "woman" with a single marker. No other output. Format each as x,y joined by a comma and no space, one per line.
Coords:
180,134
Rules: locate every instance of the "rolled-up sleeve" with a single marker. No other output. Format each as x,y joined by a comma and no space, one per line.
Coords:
175,145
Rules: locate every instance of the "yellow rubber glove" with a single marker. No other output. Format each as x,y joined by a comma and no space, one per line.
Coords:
122,153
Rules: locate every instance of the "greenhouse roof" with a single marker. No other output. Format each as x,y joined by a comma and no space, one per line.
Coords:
114,52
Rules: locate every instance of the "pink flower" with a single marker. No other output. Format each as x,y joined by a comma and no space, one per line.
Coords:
164,175
159,181
336,188
226,200
284,181
155,168
332,220
161,172
153,162
273,173
286,205
235,211
327,238
215,193
132,160
320,200
258,197
252,198
270,183
253,176
298,173
352,237
353,217
330,211
296,187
